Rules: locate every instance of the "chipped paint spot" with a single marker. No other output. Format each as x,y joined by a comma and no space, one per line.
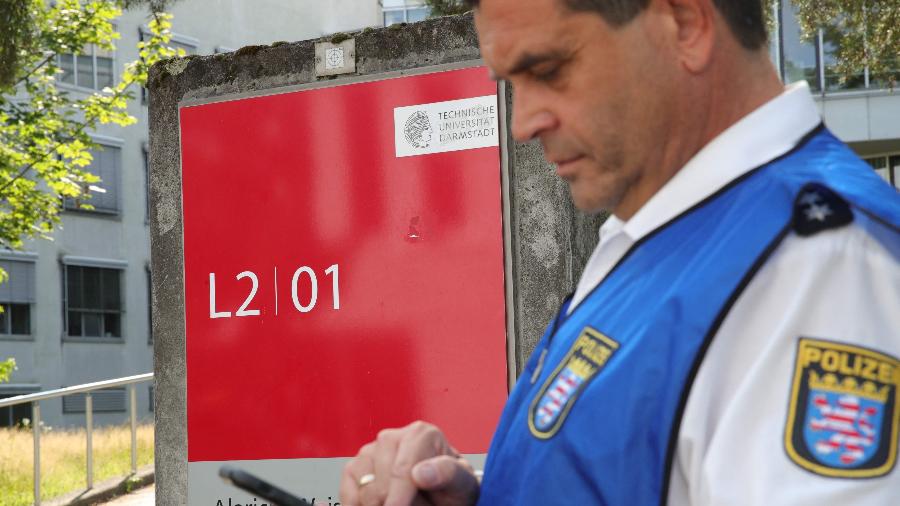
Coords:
166,213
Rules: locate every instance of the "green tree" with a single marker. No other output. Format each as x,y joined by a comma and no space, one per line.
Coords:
446,7
6,369
45,138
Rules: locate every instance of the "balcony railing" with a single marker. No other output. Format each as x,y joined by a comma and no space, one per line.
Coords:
86,389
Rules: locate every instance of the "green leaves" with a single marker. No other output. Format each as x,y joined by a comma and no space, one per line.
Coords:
447,7
16,19
859,33
44,127
6,369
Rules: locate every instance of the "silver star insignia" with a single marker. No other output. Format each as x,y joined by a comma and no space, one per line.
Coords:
810,198
818,212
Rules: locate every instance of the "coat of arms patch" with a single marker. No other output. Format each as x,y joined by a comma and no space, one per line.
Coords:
554,400
843,412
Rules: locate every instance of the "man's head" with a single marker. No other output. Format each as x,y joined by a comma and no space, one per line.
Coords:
744,17
621,93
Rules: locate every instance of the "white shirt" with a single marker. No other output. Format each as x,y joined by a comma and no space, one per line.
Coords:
841,285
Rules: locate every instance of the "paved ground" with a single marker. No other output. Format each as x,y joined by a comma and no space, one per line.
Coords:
141,497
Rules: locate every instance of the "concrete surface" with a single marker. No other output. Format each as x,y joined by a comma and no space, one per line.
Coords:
142,497
107,489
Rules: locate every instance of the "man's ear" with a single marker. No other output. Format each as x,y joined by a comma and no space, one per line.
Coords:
695,26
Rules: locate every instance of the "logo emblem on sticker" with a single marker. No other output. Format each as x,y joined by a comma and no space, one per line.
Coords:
417,130
842,417
587,357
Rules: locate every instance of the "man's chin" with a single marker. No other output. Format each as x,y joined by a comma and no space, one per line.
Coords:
591,204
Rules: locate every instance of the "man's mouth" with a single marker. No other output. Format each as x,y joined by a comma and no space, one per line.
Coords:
565,166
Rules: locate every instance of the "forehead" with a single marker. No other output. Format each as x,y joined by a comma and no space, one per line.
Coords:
515,8
509,28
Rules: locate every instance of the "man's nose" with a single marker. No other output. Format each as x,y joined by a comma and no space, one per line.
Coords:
529,120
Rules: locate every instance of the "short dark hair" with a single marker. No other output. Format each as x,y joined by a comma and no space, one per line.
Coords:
744,17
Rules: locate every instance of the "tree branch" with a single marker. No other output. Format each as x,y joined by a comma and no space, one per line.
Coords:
43,157
35,69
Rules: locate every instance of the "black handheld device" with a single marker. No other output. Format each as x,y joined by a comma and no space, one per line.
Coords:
244,480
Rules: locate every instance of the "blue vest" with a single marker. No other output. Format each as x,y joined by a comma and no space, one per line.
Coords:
596,423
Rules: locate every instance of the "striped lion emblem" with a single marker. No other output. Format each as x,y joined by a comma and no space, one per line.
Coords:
556,397
842,419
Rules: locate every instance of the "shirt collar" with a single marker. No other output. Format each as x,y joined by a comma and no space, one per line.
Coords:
766,133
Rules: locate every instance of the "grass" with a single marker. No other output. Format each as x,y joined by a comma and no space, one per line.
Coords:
63,460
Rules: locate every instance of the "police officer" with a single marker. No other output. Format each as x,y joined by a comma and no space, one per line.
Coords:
734,337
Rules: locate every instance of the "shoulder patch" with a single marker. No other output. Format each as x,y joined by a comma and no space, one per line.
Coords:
818,208
843,412
551,406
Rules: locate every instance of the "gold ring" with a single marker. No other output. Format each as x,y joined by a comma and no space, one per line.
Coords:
366,479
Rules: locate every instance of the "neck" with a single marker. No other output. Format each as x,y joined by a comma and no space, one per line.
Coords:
730,90
735,93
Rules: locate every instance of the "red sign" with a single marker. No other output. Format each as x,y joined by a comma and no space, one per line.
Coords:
332,287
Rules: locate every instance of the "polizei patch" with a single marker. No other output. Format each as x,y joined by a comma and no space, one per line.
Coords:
842,418
550,407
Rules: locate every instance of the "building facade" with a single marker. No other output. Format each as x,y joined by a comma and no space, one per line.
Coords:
860,110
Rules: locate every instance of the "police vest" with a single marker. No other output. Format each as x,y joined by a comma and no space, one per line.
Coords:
595,415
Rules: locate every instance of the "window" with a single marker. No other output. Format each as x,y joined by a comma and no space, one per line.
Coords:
104,195
885,83
799,58
816,61
16,297
11,416
189,44
109,400
92,301
404,11
830,39
189,47
91,68
888,167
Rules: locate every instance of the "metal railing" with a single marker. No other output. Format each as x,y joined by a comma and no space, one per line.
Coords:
86,388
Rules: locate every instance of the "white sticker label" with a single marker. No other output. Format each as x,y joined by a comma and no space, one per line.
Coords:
446,126
334,58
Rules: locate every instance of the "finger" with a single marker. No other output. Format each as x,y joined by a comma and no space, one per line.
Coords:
348,494
420,441
352,472
383,460
453,476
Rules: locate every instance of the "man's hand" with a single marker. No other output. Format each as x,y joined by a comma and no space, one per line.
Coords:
414,465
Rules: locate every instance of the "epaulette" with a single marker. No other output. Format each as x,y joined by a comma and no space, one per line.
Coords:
818,208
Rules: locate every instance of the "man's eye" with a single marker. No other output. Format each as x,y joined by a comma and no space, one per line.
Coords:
546,72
